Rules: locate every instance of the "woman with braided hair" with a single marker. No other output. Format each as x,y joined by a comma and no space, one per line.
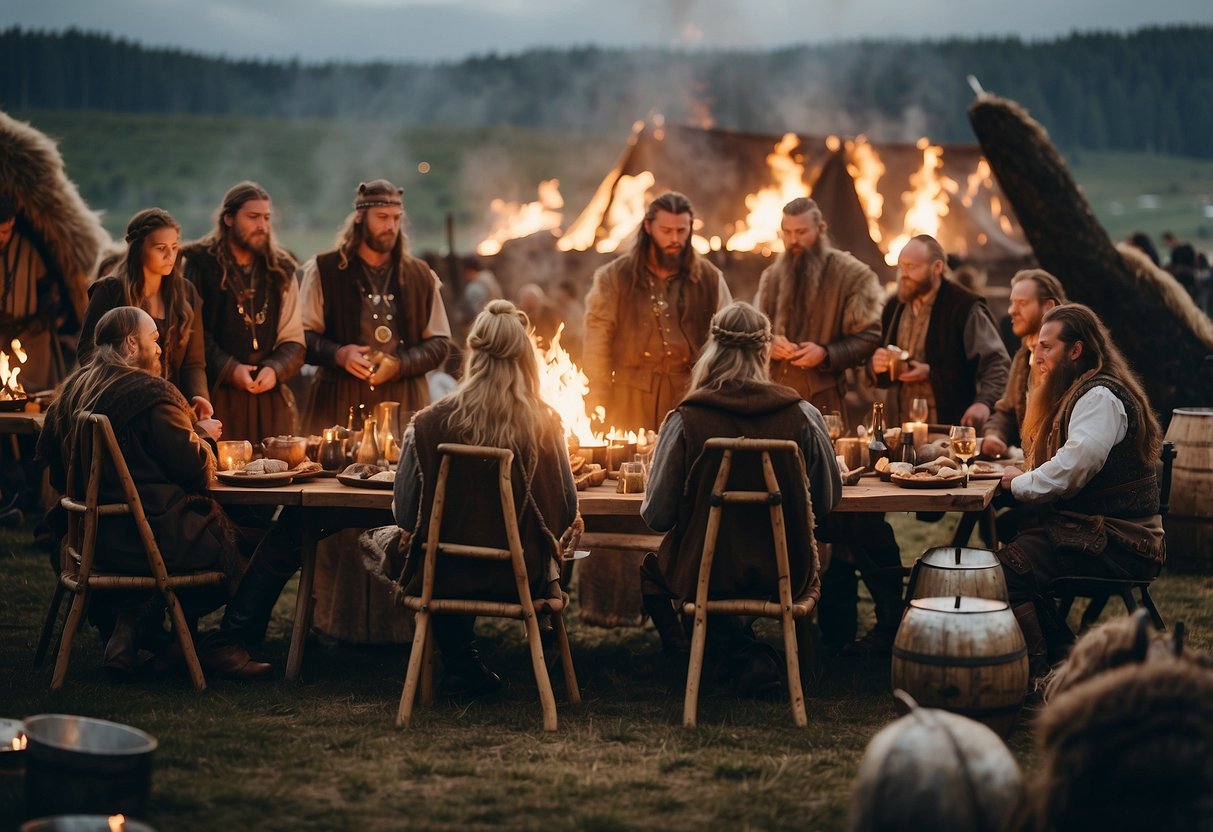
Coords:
496,404
732,395
149,277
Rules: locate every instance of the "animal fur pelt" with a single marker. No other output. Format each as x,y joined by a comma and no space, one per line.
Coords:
33,175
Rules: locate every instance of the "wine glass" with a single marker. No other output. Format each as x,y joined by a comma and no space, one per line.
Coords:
964,445
919,410
833,425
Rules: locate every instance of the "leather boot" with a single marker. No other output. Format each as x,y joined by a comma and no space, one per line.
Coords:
248,613
465,676
120,649
886,589
674,641
1033,636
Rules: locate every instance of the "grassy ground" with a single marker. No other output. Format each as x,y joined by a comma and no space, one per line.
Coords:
324,754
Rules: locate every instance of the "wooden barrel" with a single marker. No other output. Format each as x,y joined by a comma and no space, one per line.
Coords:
965,655
958,570
1189,522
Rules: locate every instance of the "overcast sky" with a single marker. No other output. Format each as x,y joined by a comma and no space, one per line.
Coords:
451,29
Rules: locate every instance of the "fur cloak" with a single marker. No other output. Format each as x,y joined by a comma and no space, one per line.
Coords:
70,235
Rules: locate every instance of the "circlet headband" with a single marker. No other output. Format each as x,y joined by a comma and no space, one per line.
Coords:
735,338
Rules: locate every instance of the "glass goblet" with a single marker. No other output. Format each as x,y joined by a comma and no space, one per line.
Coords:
964,445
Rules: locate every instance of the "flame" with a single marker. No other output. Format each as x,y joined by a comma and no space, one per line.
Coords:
760,228
927,200
563,385
117,823
19,742
627,209
512,220
10,387
865,167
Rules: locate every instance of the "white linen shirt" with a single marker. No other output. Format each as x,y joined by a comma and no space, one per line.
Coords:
1097,423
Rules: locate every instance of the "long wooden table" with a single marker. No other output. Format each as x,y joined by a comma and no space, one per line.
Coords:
612,520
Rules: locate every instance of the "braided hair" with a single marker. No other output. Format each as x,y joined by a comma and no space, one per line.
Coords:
178,311
738,350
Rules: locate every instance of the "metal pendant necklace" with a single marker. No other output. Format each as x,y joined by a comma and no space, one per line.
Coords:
251,321
378,296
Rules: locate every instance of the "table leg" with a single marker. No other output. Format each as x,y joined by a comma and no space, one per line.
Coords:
303,603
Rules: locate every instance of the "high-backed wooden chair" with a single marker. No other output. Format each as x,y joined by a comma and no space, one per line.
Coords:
97,449
443,542
1065,589
787,610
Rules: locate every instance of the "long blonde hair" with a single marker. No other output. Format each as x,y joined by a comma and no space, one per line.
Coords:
497,402
738,350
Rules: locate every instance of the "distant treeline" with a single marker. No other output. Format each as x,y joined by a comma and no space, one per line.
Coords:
1150,90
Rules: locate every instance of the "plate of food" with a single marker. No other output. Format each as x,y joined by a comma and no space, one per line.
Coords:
254,480
309,470
983,470
366,475
924,479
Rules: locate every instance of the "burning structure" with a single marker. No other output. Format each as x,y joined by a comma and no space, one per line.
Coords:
875,196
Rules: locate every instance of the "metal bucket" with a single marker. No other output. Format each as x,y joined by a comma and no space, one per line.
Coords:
79,765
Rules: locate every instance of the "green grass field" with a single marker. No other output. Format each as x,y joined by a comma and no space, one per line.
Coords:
123,163
323,754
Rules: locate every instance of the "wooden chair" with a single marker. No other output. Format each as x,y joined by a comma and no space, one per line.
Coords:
788,610
98,449
421,658
1064,590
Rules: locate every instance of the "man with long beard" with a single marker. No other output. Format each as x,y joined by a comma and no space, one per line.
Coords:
250,316
375,325
824,305
365,303
1092,442
647,317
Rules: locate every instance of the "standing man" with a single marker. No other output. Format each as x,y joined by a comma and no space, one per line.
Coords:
1093,482
824,305
1033,293
250,316
373,315
957,360
647,316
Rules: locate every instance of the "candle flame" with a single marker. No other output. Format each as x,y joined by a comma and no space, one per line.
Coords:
19,742
117,823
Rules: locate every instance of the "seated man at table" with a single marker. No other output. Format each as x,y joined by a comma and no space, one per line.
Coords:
1092,442
496,404
732,395
171,462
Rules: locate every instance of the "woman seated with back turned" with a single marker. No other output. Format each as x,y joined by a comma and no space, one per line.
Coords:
497,404
149,277
732,395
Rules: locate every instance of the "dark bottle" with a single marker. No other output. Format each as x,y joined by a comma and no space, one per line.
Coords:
877,449
905,449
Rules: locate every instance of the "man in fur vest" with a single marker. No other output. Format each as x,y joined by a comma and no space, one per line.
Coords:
647,317
824,306
1033,293
1092,447
957,360
250,316
373,315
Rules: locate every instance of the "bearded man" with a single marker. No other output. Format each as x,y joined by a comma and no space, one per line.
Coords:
250,316
957,360
1092,442
1033,293
372,313
824,305
171,461
647,317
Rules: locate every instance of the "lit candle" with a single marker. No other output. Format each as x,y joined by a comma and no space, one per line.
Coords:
920,433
